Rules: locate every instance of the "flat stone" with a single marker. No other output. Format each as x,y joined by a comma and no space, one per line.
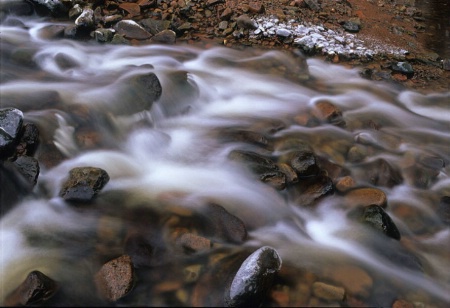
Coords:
328,292
365,196
131,30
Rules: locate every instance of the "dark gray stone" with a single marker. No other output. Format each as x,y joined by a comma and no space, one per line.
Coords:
403,68
351,26
377,218
11,120
245,22
132,30
443,210
254,278
29,167
83,184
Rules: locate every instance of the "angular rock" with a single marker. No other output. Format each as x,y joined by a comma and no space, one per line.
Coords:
164,37
254,278
86,19
404,68
313,5
29,167
304,163
375,217
83,184
11,121
154,26
131,30
36,289
351,26
308,190
115,279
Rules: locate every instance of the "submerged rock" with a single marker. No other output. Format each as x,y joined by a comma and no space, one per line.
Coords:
36,289
254,278
375,217
83,184
29,167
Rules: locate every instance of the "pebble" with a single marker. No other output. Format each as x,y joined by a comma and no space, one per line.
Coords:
355,280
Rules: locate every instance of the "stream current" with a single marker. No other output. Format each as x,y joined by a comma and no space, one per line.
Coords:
173,151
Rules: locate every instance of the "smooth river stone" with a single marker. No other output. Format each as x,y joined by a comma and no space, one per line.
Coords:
365,196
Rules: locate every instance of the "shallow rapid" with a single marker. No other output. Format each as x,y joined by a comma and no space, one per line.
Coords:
171,154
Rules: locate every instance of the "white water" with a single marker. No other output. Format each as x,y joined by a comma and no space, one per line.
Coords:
177,154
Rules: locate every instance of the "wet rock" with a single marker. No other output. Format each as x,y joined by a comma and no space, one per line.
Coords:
131,30
29,167
245,22
254,278
115,279
443,210
75,11
375,217
308,190
328,112
328,292
11,121
290,174
222,225
380,173
365,197
13,186
83,184
351,26
357,153
103,35
56,7
133,9
65,61
345,183
355,280
86,19
304,163
404,68
401,303
29,141
193,243
154,26
36,289
164,37
32,100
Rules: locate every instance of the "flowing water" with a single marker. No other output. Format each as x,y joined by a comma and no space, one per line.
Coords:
173,155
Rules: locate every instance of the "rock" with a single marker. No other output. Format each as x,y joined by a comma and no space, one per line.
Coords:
375,217
29,167
313,5
446,64
345,183
133,9
65,61
11,121
30,140
328,112
83,184
254,278
164,37
304,163
154,26
36,289
380,173
328,292
283,32
52,32
308,190
365,197
404,68
131,30
245,22
75,11
194,243
19,8
86,19
56,7
115,279
351,26
401,303
354,279
443,210
222,225
103,35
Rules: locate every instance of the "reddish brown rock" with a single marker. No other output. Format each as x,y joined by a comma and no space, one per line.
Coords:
365,196
36,289
115,279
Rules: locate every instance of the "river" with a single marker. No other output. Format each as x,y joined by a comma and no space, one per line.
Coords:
172,155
